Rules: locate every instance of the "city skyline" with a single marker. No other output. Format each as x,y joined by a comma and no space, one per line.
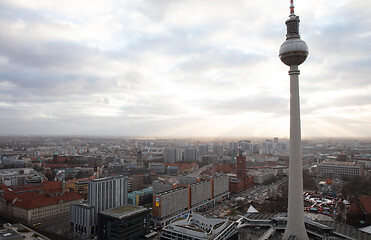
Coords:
185,68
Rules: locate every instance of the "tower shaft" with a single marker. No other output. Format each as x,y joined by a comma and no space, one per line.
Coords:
295,220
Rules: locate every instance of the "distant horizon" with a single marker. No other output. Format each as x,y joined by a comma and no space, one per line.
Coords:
195,138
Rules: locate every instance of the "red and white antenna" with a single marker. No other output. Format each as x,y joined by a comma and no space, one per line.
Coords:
292,7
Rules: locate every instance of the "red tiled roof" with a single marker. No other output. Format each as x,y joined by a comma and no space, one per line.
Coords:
36,195
53,186
366,203
31,186
182,166
226,168
43,200
63,165
80,179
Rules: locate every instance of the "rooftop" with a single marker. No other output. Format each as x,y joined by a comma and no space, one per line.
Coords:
107,178
366,203
347,231
80,179
317,227
198,226
19,231
339,163
124,211
84,205
9,234
171,191
200,182
38,195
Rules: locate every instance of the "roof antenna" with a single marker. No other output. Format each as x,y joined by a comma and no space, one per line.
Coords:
292,7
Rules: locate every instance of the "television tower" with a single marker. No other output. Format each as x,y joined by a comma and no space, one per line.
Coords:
294,52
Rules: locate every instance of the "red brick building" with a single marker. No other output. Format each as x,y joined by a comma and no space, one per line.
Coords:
236,185
247,181
242,180
224,168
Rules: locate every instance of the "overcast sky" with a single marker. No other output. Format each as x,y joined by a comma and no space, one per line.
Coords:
181,68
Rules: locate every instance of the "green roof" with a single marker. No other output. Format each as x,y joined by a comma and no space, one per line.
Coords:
123,209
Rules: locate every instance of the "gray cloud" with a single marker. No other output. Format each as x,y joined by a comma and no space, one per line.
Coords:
146,67
238,105
222,59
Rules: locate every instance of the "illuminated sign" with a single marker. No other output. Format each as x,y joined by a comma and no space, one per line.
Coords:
157,202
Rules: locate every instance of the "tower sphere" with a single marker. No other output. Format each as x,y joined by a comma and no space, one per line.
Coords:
293,51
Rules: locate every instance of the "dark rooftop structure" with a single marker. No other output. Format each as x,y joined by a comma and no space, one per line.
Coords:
19,232
125,222
272,226
124,211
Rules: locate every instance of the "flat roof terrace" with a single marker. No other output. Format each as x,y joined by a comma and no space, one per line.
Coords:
124,211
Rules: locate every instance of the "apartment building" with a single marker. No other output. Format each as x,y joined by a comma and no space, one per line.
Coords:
181,200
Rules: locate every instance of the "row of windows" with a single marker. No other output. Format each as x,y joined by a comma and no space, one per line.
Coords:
340,171
51,210
171,235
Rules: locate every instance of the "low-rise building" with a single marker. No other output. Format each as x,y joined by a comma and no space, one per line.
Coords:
283,160
36,203
172,170
363,158
79,185
137,182
12,162
19,232
20,176
209,159
141,197
344,169
159,168
359,213
127,222
197,227
236,185
261,177
182,168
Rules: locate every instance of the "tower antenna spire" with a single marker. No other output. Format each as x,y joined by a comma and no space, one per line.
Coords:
292,7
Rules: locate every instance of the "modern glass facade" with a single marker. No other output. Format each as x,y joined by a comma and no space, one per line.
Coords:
130,226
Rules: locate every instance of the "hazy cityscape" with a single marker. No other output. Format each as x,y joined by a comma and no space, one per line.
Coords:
152,168
185,120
